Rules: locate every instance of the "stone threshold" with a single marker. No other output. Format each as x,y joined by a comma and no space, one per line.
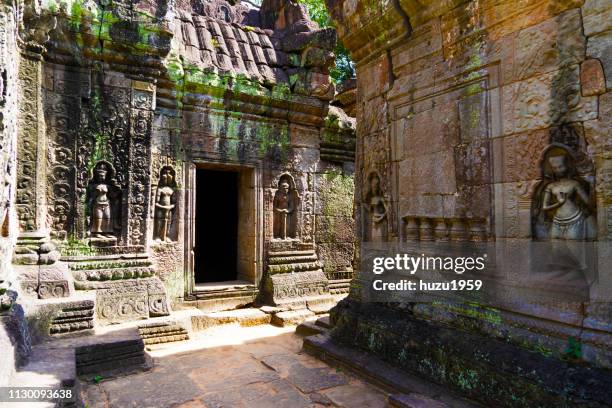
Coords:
223,286
380,373
221,290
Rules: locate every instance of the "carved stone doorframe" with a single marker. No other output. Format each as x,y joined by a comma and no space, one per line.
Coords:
251,252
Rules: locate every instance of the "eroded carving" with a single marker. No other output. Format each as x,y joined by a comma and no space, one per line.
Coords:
376,217
286,202
104,202
131,299
563,203
165,202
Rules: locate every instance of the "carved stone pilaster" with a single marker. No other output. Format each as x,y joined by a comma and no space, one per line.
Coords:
31,147
139,183
31,203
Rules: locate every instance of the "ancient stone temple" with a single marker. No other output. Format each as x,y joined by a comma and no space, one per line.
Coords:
485,126
168,167
159,155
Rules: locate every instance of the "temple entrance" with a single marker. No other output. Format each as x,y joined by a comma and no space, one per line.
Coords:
216,232
224,205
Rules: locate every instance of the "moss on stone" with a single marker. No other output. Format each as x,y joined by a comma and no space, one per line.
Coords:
74,247
337,194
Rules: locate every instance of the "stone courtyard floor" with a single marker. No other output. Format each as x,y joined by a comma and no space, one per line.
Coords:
231,366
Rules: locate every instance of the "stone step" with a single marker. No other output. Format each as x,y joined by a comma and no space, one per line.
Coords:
291,317
214,293
162,332
414,401
312,327
309,329
72,319
317,304
218,303
323,322
339,286
61,316
273,309
380,373
114,267
320,304
243,317
111,358
166,338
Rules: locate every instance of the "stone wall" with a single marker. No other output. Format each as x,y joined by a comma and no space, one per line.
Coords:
459,106
335,190
9,94
14,338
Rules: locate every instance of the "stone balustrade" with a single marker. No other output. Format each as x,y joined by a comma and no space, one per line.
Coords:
442,229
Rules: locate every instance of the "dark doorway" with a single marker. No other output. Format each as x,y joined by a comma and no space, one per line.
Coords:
216,222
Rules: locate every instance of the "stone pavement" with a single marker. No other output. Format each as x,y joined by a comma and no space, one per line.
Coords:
231,366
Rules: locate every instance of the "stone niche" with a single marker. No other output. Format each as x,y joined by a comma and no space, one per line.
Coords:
286,207
295,277
165,202
482,128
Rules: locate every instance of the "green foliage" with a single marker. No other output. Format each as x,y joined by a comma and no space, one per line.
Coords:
317,12
573,350
345,67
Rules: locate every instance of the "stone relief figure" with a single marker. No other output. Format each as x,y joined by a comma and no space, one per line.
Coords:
562,214
563,202
104,202
286,201
165,202
376,212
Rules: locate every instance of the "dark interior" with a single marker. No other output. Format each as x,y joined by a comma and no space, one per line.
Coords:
216,226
